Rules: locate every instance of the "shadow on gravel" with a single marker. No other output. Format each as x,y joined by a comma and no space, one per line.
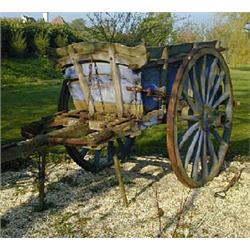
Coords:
184,210
22,217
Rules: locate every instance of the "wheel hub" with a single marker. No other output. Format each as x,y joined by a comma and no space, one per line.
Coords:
209,117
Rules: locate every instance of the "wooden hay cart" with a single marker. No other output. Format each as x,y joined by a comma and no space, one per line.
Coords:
112,92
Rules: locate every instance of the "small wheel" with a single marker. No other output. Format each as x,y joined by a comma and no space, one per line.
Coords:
93,160
199,118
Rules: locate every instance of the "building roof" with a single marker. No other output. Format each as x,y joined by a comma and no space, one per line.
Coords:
27,19
58,20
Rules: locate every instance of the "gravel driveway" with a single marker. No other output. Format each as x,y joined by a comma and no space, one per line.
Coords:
87,205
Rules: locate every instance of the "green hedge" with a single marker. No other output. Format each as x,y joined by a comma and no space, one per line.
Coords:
29,30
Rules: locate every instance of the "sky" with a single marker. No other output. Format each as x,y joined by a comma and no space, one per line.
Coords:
200,17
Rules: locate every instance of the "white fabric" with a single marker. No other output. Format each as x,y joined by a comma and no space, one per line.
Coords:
127,78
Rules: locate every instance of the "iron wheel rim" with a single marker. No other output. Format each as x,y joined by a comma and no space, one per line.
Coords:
204,95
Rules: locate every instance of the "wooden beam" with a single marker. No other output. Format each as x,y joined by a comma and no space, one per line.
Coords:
116,81
120,180
22,149
133,57
164,57
82,80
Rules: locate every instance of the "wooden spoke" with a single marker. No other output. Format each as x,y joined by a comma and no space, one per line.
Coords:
124,147
203,78
120,143
189,101
83,152
191,149
126,152
195,86
204,157
110,149
97,157
188,133
222,98
216,135
216,87
211,77
194,173
189,117
226,124
212,151
186,85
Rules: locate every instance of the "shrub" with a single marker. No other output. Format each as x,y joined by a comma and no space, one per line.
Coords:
41,42
35,36
18,44
61,41
5,39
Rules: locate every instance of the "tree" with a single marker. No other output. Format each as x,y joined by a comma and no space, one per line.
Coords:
114,27
78,24
189,31
229,29
80,28
154,29
157,29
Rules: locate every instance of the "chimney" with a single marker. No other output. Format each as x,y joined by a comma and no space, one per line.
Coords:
46,16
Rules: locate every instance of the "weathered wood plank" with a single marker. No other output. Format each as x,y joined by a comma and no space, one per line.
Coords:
164,57
22,149
72,131
134,57
92,139
116,81
47,123
77,134
120,180
82,80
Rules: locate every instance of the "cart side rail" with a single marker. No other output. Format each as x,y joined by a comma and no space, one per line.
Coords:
133,57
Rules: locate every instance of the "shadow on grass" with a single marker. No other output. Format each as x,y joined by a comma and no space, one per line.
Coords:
238,147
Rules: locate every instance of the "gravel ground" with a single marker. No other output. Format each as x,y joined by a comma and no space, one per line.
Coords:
87,205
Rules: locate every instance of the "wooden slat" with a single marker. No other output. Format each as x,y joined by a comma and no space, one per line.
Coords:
116,81
164,57
82,81
22,149
133,57
72,131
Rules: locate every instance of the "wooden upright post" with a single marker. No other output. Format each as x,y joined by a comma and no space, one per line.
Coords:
116,81
120,180
82,80
41,179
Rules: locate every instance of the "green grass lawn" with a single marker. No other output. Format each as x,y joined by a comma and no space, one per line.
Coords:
240,141
27,95
27,71
24,104
29,90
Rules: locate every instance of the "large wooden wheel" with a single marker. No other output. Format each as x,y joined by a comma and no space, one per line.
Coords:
199,118
89,159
